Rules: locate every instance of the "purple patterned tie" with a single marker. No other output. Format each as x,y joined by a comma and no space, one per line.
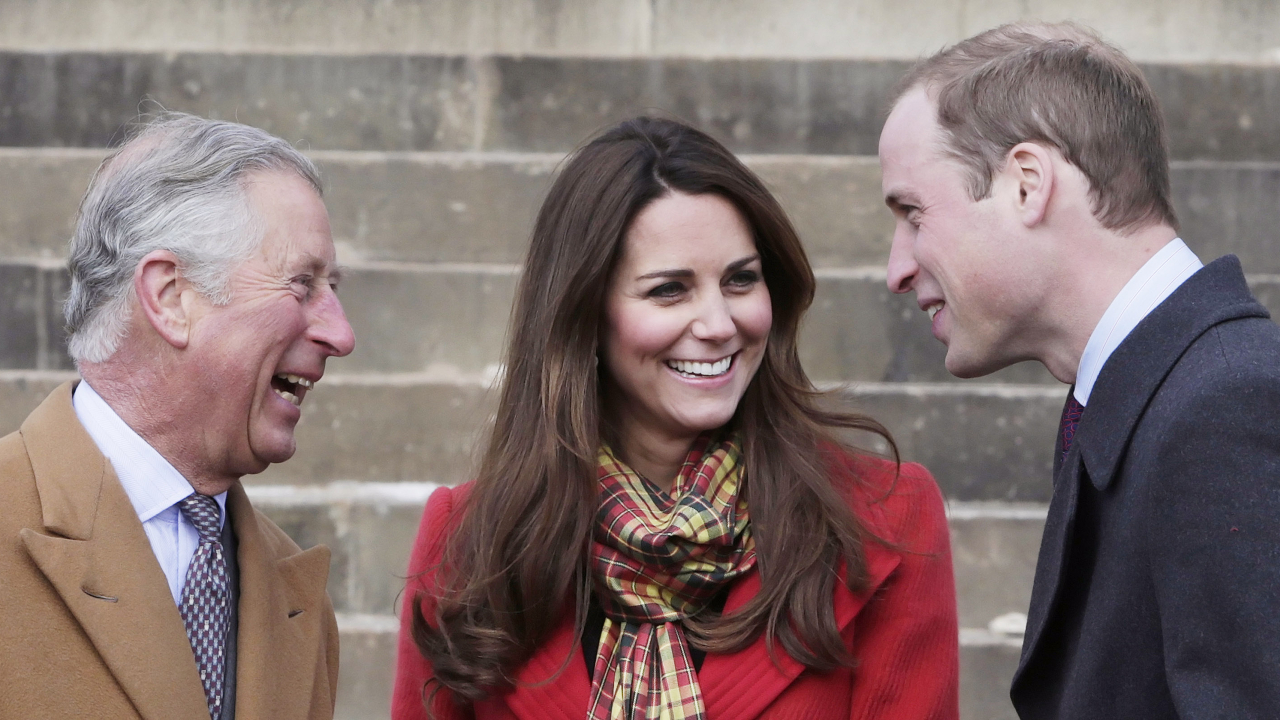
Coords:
1070,421
204,607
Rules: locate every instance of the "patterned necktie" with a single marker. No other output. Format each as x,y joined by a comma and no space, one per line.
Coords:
205,597
1070,421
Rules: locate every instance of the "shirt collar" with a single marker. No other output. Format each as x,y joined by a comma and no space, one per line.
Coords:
1154,281
151,482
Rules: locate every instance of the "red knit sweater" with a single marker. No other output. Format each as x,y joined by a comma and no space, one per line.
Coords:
902,631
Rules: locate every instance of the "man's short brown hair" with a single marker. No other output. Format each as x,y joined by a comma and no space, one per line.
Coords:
1062,86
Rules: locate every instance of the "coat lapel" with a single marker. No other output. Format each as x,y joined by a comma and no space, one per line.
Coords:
553,684
283,613
96,555
742,684
1054,548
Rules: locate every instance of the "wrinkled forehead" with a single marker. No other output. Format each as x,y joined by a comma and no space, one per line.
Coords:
293,221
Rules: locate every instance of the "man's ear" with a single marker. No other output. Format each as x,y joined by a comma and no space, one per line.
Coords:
1031,170
159,286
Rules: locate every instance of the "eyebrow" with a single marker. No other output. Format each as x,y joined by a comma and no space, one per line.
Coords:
897,200
318,265
687,273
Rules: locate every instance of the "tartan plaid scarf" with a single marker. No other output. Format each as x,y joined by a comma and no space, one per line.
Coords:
658,558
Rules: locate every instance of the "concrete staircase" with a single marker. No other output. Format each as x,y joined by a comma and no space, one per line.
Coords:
438,125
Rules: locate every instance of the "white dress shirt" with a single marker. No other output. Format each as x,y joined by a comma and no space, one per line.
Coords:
1154,281
152,484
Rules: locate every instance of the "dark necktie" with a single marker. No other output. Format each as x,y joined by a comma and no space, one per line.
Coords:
1070,421
205,596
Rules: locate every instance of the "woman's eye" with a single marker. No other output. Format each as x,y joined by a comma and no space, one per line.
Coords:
667,290
744,278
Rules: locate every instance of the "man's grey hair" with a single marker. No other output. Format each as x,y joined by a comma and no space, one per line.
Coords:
177,184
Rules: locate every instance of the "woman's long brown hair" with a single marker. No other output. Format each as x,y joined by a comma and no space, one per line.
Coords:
519,559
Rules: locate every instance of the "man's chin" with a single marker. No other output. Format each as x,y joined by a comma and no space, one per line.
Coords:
965,366
272,452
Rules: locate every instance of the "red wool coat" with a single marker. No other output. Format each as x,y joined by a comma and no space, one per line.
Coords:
902,631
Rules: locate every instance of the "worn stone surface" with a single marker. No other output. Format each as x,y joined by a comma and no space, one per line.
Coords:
994,555
384,429
1230,208
367,672
985,675
1214,30
981,442
368,102
541,104
21,392
435,207
479,207
770,106
415,321
40,190
19,316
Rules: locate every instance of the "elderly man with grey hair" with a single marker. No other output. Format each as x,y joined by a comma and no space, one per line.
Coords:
138,582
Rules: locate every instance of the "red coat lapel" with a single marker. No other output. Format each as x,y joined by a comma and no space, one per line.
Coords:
553,684
743,684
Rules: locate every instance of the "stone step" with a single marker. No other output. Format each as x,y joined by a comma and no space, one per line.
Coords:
550,104
479,207
452,318
982,441
1235,30
368,652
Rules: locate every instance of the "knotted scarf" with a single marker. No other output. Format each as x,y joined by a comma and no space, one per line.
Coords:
659,558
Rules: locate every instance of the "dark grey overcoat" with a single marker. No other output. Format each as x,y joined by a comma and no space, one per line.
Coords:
1157,593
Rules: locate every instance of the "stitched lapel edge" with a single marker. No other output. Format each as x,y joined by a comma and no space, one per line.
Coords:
743,684
277,645
98,545
1054,555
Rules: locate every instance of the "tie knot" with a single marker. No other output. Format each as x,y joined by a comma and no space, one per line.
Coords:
204,514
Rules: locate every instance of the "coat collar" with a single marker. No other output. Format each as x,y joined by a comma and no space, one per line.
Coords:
96,554
1133,373
553,684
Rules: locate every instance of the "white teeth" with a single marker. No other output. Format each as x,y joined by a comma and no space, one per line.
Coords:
933,310
296,380
701,369
288,396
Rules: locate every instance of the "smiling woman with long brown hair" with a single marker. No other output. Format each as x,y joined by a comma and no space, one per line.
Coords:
665,523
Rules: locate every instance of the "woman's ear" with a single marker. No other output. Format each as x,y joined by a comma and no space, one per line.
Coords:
159,286
1031,171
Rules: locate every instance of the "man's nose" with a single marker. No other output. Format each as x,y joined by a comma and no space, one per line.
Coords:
902,266
330,328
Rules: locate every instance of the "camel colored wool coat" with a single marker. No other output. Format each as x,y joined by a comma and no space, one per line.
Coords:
88,627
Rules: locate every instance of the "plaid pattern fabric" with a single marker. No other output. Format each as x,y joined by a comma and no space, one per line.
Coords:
658,558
